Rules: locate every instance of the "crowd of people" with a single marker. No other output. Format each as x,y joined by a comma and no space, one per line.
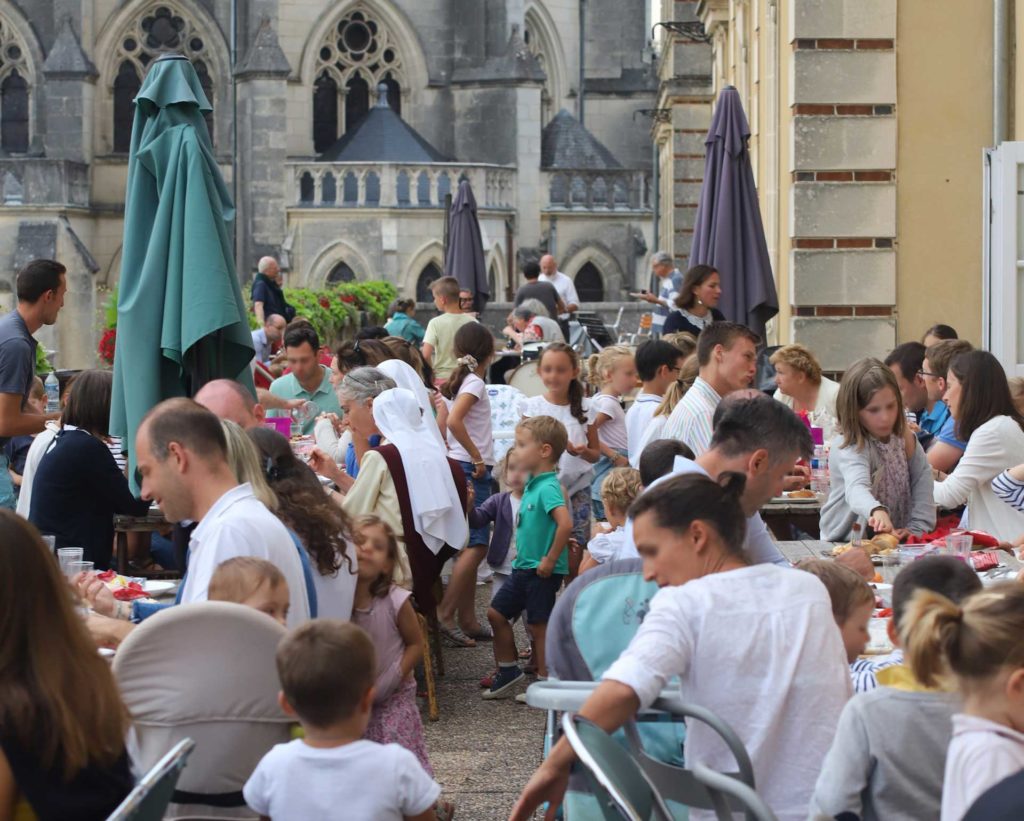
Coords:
655,458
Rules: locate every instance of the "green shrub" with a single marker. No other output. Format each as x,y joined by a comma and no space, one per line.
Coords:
42,363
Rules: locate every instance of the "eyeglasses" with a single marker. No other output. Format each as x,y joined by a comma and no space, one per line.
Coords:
926,373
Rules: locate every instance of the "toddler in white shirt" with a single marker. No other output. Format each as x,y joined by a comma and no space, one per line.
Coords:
618,490
327,670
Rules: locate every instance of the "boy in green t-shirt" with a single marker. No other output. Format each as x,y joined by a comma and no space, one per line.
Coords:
541,562
439,340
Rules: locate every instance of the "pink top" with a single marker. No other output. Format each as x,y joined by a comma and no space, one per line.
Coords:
478,422
381,622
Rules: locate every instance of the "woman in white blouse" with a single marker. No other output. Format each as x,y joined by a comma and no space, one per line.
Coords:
802,387
979,400
754,644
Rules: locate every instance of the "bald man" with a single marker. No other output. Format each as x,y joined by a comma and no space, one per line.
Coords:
563,284
267,296
228,399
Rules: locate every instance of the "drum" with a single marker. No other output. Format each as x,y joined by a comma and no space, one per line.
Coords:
526,378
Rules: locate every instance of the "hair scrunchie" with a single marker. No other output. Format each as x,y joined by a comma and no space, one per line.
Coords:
469,361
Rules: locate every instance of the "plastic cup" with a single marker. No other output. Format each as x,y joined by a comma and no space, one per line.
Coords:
50,542
959,545
66,555
74,568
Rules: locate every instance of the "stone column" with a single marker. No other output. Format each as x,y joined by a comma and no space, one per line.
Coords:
68,103
842,197
262,123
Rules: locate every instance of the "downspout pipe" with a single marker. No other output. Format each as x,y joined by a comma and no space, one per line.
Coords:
583,54
1000,71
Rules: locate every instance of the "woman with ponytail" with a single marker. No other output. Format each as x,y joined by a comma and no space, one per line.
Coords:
977,646
563,399
467,416
756,644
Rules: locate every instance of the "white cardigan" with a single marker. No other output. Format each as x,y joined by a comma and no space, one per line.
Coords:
992,448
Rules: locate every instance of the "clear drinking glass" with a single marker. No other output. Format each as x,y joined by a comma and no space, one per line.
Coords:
66,555
74,568
50,542
305,413
959,545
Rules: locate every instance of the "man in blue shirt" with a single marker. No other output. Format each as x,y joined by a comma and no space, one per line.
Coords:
263,339
906,362
946,449
41,287
671,281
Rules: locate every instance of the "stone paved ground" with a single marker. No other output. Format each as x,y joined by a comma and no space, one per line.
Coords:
482,752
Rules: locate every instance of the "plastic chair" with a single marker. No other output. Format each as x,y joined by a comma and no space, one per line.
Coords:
505,401
150,797
616,780
205,671
592,623
722,788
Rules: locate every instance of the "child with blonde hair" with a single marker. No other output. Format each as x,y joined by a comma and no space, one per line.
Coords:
879,473
253,582
619,489
613,373
977,646
384,610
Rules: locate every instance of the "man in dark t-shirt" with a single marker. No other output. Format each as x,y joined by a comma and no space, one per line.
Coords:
267,295
543,291
41,286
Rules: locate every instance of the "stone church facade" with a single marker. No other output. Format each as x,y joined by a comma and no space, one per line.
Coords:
543,105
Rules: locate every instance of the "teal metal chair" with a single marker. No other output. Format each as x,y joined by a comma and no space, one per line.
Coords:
621,789
727,793
151,796
592,623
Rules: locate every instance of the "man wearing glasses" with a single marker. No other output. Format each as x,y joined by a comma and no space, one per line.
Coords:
930,413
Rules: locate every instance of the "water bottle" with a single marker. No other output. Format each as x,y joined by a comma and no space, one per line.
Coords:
52,387
819,463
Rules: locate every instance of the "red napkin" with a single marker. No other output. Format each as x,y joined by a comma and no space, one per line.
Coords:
984,561
132,591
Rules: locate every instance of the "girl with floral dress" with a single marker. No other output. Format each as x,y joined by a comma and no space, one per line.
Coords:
384,610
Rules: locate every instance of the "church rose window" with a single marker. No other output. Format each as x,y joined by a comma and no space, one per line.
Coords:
355,56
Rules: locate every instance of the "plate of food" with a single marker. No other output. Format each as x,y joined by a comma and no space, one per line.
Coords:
879,548
158,587
796,496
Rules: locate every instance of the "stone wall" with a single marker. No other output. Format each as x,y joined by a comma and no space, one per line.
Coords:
842,223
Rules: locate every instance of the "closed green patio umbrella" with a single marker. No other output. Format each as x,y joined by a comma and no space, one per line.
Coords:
181,320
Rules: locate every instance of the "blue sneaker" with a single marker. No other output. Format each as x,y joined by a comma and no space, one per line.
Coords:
504,681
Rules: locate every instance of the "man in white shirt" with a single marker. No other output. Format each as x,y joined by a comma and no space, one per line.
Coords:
727,356
182,459
564,285
263,338
762,439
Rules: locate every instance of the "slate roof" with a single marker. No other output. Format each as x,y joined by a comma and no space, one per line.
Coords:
382,136
565,143
66,56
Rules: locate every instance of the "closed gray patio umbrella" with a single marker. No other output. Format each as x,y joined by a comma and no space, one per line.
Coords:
728,233
464,258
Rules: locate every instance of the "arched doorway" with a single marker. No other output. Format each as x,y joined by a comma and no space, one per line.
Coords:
341,273
589,283
428,276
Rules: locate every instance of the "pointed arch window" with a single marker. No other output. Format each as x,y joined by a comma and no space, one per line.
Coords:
126,86
589,283
428,276
155,31
356,55
14,91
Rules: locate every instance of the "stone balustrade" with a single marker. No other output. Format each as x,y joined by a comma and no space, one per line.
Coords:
399,185
598,190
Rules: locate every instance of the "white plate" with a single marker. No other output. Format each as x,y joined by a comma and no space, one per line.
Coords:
794,500
157,587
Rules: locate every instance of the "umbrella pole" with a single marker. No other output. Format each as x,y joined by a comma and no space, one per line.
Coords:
447,229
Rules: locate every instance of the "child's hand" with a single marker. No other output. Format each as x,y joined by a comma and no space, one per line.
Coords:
546,567
470,494
880,522
901,533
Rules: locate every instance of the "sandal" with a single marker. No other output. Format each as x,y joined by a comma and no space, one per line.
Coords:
456,637
444,810
481,633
